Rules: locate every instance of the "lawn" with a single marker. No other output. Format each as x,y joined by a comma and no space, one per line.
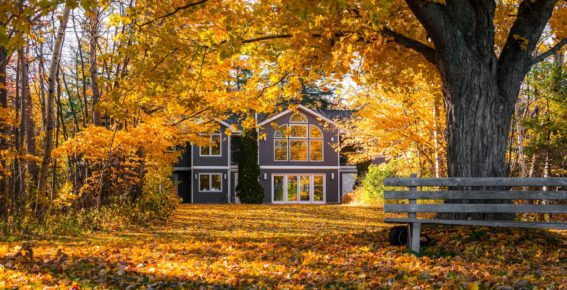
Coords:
238,246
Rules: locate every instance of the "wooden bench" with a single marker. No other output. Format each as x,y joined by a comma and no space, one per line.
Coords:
472,189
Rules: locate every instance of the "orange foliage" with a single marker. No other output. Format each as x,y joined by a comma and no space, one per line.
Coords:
289,247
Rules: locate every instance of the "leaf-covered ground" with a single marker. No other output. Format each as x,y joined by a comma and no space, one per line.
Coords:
241,246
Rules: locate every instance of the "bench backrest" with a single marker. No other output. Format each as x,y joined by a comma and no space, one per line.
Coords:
475,189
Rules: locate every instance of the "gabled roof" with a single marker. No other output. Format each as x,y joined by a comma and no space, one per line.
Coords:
231,122
326,115
337,114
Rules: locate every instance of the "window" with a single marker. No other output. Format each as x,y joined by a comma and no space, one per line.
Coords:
279,188
280,149
281,132
316,150
298,188
297,141
315,132
298,131
318,188
214,148
298,150
298,118
210,182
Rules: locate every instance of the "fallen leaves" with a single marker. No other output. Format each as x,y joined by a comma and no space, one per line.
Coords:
240,246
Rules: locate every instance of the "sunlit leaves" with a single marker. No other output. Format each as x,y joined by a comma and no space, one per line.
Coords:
292,247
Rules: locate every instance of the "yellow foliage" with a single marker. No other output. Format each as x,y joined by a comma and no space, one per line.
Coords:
285,247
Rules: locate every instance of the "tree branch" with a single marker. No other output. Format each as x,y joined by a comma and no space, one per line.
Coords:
180,8
267,37
426,51
432,17
525,32
550,52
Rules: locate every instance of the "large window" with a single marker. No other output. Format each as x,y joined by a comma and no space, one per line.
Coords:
298,141
214,147
298,188
210,182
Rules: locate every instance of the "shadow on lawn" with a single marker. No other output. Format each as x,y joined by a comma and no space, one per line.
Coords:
121,270
110,271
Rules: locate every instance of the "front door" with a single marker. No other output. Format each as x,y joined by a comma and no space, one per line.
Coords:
296,188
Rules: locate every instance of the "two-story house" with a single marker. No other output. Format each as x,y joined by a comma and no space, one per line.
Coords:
298,159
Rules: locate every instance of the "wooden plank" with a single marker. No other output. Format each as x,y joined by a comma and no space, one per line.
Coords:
414,241
511,224
476,194
476,181
476,208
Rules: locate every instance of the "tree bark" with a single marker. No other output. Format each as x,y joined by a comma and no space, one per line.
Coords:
27,119
93,69
480,89
52,81
4,132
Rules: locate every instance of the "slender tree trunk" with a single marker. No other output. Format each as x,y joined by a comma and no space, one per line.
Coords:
520,137
437,156
4,133
83,86
93,35
29,124
48,144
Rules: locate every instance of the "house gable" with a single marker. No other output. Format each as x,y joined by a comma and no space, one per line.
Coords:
267,140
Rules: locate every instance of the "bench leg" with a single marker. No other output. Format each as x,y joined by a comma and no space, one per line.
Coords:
414,235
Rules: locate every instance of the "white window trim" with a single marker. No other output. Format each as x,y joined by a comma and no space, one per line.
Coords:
308,139
311,188
210,147
286,148
210,182
306,125
299,122
289,149
305,109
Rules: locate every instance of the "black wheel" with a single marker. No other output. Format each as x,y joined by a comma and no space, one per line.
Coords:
398,236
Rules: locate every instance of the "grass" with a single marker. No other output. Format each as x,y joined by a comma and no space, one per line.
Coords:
295,246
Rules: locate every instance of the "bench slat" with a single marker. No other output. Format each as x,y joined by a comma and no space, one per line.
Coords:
514,224
471,194
476,208
476,181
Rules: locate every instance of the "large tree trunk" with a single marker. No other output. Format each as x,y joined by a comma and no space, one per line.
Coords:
480,88
478,120
52,82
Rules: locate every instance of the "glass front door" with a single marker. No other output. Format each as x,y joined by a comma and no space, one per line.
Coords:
296,188
304,188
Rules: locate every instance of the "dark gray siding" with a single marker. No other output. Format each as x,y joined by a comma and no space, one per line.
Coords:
330,155
184,185
185,159
213,160
331,184
210,197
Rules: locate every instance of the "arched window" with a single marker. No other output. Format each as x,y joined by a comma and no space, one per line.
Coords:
280,143
315,143
298,118
298,141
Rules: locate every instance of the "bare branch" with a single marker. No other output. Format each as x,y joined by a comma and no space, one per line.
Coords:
426,51
550,52
180,8
267,37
